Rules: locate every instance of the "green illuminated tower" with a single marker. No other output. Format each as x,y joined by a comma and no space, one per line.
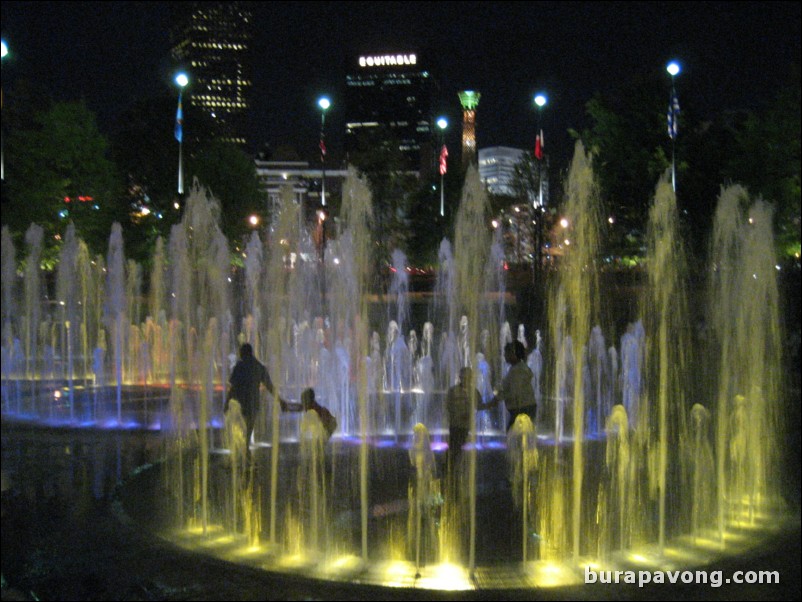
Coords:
469,101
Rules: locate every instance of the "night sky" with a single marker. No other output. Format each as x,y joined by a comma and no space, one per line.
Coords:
734,56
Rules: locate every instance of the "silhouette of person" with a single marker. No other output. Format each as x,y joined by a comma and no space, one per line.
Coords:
246,379
516,388
458,407
308,402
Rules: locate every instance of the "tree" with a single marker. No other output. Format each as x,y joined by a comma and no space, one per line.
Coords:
630,151
526,179
379,160
427,226
144,143
768,161
61,174
231,177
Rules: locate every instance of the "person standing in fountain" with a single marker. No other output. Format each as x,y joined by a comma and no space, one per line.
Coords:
308,402
458,406
246,378
516,388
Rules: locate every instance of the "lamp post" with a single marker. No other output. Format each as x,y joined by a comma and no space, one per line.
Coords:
324,103
3,54
540,102
442,123
181,79
673,114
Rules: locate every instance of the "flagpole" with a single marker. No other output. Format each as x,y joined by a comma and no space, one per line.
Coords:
4,53
324,103
180,167
182,80
442,198
442,123
540,101
673,111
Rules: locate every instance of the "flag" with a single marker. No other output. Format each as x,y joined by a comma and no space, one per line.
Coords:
443,160
179,121
539,146
673,115
322,149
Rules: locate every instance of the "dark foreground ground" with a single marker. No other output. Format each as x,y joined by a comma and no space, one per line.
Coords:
65,536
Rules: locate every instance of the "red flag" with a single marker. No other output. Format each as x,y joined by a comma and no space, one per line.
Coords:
322,148
443,162
539,146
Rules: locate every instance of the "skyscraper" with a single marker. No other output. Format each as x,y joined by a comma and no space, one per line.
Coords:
213,43
497,168
389,97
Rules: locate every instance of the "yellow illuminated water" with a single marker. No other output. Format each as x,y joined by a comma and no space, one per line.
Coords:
687,471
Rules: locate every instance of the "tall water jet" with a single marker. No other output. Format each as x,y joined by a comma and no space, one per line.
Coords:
358,217
615,495
744,319
254,265
115,307
522,457
10,370
703,472
665,312
158,330
573,311
234,439
494,313
421,528
9,277
199,293
67,298
283,228
471,252
312,484
399,290
444,309
33,302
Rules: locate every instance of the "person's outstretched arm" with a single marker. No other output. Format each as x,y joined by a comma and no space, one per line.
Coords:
289,406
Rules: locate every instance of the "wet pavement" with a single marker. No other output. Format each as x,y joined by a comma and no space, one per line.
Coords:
71,530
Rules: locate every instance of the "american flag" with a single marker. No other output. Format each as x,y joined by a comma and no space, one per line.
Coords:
443,160
673,115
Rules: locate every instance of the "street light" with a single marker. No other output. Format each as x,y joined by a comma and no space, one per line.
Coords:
324,103
442,123
540,102
673,69
3,54
181,79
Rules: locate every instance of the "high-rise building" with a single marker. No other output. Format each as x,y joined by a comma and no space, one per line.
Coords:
497,168
389,97
213,43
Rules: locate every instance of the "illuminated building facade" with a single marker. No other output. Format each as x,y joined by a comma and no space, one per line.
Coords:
213,43
389,97
470,102
303,181
497,168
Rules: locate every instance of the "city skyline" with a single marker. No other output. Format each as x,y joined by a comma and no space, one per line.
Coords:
734,56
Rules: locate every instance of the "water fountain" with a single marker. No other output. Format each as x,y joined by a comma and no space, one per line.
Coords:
641,447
